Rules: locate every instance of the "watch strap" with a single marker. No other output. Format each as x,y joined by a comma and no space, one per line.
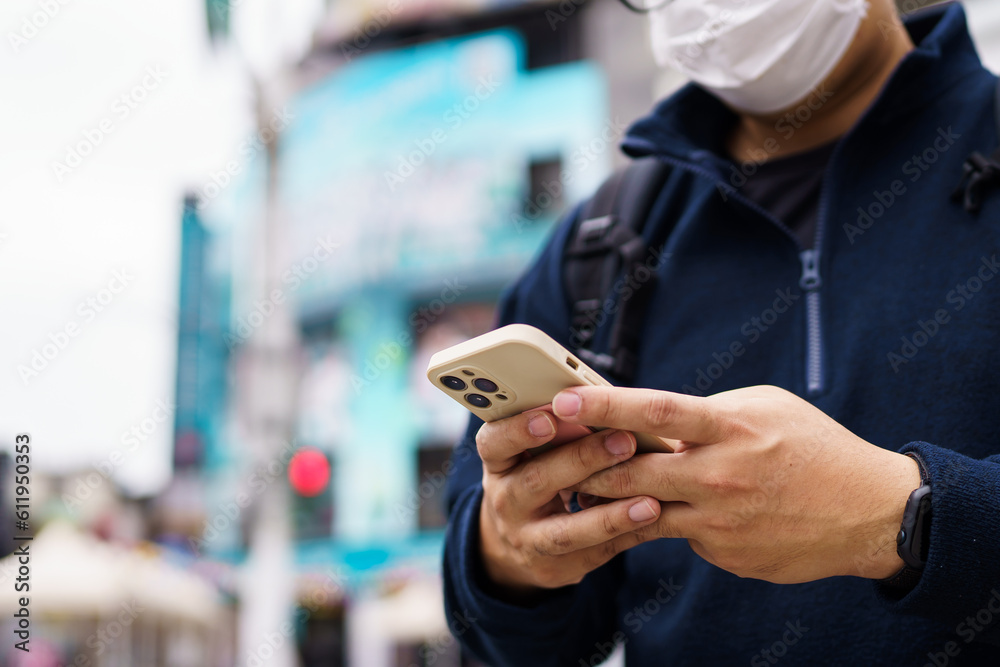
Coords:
915,525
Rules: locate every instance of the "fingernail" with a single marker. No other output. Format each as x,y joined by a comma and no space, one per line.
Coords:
641,511
618,443
540,426
566,404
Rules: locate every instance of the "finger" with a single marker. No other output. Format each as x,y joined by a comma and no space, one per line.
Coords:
675,416
590,558
567,498
676,520
586,501
667,479
502,442
543,476
563,534
583,500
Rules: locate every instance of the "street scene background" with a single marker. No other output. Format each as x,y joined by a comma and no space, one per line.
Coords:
233,232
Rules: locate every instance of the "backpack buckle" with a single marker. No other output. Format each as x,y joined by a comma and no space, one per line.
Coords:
595,228
621,366
980,174
601,362
593,237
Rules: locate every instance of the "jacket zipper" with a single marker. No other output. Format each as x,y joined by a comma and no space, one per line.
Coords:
811,283
811,280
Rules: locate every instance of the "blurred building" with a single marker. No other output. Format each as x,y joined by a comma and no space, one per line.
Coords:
423,153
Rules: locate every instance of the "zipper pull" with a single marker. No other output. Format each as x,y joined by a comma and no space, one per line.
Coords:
811,280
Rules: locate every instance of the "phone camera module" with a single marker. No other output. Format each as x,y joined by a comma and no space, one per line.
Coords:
487,386
453,383
478,401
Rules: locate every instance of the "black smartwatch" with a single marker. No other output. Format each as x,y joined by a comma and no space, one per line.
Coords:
914,538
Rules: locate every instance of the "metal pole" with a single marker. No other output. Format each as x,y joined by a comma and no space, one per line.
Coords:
267,403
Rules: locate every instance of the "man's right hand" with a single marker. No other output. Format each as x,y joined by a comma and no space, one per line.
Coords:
527,538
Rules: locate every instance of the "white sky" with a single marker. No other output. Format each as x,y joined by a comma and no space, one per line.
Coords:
119,210
63,237
61,243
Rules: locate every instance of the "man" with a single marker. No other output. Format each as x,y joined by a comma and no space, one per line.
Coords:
822,342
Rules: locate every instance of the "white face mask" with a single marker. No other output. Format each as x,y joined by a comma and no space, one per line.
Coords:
759,56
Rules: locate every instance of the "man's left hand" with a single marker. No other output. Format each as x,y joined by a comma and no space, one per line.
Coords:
763,484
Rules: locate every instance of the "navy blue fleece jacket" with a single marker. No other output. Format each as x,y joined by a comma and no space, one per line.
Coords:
897,338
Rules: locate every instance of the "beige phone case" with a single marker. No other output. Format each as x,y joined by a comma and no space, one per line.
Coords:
515,369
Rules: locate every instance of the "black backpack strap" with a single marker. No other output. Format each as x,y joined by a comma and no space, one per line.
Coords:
980,174
607,240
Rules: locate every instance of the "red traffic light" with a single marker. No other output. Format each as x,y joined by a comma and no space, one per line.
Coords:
309,472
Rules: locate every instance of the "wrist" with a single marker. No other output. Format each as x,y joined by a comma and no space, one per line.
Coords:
878,557
495,578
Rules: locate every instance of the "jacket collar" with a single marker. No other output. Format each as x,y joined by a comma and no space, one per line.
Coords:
692,124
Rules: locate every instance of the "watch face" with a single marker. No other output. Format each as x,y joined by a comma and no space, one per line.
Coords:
922,528
913,541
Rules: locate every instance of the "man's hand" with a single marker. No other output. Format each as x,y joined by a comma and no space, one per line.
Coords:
763,484
527,538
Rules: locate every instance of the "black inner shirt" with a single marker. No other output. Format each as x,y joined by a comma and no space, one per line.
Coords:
789,189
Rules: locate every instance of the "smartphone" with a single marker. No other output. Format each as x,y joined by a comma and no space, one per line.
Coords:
517,369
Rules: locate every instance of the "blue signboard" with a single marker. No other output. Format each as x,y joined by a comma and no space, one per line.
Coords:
416,163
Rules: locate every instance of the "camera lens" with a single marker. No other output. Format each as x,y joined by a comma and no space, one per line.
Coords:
478,401
490,387
453,383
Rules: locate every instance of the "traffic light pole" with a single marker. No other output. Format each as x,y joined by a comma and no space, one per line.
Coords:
267,396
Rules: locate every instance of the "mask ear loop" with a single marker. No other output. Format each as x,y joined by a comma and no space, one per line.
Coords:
645,10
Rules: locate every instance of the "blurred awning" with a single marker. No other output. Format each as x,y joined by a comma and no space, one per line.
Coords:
168,591
70,574
75,574
414,613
